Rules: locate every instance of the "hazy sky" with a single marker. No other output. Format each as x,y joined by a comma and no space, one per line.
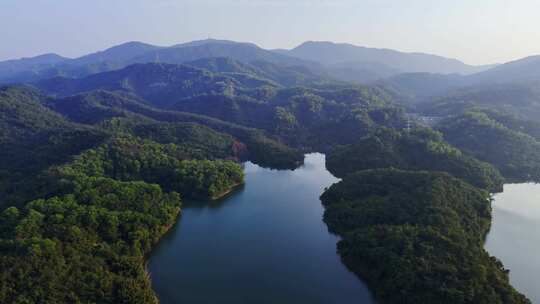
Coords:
475,31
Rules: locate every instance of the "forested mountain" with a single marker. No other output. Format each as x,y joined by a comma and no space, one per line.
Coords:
419,149
302,117
159,83
519,99
412,89
498,140
101,106
33,138
280,74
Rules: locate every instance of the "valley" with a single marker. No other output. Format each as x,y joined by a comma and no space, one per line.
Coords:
204,166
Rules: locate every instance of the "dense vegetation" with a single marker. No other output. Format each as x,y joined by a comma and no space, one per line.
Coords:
170,166
93,218
101,106
519,99
307,118
33,138
418,149
96,169
496,139
417,237
85,247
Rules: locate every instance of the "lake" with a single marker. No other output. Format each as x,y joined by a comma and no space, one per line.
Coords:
265,243
515,236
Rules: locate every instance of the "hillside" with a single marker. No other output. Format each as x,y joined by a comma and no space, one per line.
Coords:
515,153
420,149
118,112
302,117
519,99
33,138
521,70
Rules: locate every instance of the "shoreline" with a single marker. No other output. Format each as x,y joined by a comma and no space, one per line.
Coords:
146,257
231,189
167,228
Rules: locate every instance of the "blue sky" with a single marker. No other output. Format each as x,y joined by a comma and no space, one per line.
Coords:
475,31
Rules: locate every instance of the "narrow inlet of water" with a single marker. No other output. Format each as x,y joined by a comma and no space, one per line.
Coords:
265,243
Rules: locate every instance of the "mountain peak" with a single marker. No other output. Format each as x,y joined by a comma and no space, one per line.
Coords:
131,45
364,58
212,41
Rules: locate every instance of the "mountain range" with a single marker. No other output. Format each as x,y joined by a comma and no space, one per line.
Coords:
411,78
97,151
343,62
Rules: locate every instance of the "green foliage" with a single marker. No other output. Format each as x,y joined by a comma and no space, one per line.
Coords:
300,117
170,166
419,149
129,113
517,99
98,162
496,140
85,247
33,138
417,237
86,238
235,93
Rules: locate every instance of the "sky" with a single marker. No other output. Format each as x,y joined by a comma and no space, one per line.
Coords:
474,31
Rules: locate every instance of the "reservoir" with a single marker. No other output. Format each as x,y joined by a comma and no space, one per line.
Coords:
515,236
264,243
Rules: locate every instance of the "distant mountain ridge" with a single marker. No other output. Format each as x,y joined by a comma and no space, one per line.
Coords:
344,62
343,54
125,54
514,82
28,65
521,70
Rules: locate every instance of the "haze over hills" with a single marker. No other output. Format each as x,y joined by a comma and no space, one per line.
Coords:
136,52
340,61
411,78
522,70
386,60
21,66
516,82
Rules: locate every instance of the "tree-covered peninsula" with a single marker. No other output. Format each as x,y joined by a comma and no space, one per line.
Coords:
417,237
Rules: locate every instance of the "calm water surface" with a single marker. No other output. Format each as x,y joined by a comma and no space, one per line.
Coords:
266,243
515,236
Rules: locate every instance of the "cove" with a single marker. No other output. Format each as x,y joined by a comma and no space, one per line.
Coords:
264,243
514,237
